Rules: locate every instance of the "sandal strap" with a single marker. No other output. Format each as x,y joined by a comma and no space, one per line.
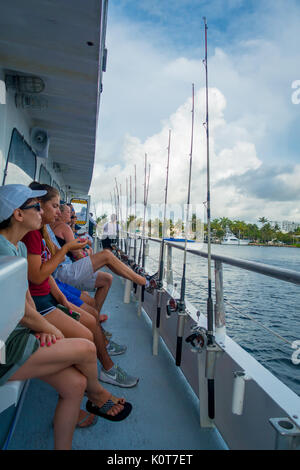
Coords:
106,407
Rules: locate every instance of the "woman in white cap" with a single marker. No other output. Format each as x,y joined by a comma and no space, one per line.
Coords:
51,301
67,364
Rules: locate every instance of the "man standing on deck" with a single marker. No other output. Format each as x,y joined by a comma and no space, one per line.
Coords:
92,224
110,230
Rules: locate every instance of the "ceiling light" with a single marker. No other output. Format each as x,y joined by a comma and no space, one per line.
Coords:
24,83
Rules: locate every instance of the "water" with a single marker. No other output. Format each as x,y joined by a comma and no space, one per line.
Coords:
272,302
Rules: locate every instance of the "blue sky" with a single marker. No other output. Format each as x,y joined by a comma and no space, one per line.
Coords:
155,48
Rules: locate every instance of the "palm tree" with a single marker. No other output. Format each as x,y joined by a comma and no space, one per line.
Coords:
263,220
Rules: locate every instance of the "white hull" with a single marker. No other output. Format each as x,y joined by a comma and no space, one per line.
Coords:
235,242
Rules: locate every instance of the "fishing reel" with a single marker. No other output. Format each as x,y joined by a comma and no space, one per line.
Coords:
172,307
139,270
198,339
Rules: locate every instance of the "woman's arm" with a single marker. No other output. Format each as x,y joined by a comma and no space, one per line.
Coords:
58,294
68,235
33,320
38,272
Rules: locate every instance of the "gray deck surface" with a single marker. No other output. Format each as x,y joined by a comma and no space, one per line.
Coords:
165,409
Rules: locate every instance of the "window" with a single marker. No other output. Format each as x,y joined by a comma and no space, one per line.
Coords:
80,207
55,185
45,177
21,161
63,195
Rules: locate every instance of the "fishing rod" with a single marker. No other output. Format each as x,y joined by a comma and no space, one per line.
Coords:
178,305
134,249
210,314
130,226
117,214
181,304
145,178
121,221
126,217
162,245
147,194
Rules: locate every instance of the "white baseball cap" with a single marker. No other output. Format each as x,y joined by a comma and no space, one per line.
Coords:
13,196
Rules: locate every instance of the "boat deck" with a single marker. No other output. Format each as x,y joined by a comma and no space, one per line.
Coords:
165,408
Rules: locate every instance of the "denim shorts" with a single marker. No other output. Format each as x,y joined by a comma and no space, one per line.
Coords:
45,303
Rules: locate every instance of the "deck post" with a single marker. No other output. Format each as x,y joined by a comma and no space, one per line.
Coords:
169,274
127,291
205,421
220,319
139,299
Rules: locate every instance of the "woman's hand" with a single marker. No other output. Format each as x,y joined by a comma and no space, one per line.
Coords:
64,301
46,338
75,244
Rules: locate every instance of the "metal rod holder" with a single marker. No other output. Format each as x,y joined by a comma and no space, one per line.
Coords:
287,434
169,274
220,319
127,291
238,395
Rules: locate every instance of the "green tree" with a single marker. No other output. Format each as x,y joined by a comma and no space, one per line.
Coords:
263,220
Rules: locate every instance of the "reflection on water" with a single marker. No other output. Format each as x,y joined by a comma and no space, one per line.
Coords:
272,302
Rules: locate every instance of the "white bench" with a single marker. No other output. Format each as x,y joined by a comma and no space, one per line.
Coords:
13,287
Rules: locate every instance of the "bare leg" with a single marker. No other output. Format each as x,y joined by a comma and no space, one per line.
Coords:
103,284
106,258
88,328
54,365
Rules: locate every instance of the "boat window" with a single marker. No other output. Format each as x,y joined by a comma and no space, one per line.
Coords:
80,207
55,185
44,177
21,161
62,195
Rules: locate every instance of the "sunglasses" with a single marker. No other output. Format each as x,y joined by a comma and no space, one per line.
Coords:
36,206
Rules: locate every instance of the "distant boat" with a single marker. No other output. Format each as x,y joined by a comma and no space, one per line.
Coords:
172,239
231,239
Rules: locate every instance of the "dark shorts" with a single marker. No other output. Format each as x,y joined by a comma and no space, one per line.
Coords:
45,303
72,294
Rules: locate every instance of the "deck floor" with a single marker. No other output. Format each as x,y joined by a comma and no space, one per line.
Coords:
165,409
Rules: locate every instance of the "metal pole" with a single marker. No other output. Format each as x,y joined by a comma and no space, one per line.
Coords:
220,320
210,312
181,304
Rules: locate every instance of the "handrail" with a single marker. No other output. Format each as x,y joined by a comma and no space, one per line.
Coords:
287,275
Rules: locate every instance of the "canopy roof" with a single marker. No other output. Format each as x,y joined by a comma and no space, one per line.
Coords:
62,42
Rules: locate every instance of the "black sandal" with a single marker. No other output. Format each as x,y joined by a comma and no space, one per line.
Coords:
102,411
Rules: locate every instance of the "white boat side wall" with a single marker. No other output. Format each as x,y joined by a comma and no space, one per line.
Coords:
265,397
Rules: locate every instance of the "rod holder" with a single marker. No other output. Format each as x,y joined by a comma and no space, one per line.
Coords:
220,319
287,434
169,273
213,352
238,395
127,291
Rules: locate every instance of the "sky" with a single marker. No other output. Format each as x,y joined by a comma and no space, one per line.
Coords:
155,54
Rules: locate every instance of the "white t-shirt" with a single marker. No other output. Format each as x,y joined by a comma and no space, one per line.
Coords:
110,229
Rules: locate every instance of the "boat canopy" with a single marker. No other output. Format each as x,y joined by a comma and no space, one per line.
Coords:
63,44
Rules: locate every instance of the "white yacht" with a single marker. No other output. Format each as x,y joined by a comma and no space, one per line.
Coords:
231,239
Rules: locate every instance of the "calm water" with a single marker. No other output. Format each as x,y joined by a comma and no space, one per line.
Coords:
272,302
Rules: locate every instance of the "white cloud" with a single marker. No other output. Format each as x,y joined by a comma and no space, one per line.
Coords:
146,92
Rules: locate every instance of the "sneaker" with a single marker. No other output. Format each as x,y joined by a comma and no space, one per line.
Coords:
106,333
115,349
118,376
